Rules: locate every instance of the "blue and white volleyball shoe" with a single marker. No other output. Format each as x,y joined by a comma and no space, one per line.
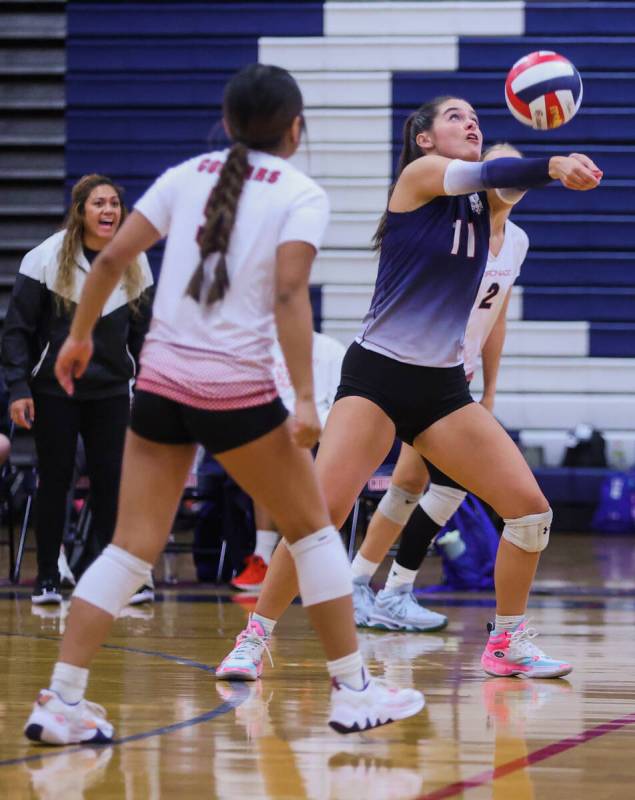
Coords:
363,601
398,610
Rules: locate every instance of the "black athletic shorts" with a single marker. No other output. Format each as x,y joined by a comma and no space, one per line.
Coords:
413,397
165,421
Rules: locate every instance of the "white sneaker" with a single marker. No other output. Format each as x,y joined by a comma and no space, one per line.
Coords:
53,721
145,594
398,610
374,705
363,601
66,573
46,593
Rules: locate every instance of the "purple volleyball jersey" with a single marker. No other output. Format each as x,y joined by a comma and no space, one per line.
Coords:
430,268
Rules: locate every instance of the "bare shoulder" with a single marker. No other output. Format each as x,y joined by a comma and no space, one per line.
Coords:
420,182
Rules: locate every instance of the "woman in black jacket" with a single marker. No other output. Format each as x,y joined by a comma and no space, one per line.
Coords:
45,294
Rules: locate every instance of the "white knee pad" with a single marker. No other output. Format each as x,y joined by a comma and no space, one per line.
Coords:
112,579
530,533
440,502
323,568
397,505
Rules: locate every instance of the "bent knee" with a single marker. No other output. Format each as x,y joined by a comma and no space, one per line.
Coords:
517,503
529,532
534,503
410,474
412,484
294,525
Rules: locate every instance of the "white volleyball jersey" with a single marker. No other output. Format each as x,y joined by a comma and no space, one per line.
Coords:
500,274
220,357
328,355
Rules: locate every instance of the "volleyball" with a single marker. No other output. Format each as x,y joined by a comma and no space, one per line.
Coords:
543,90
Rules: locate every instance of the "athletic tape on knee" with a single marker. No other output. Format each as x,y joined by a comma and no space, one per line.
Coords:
397,505
530,533
324,572
112,579
440,502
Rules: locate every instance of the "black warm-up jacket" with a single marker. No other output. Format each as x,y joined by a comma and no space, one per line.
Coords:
36,326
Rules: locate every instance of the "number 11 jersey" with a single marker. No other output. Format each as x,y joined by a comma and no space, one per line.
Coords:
430,269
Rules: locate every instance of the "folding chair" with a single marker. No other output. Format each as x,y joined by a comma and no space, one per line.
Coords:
215,538
22,466
196,490
19,479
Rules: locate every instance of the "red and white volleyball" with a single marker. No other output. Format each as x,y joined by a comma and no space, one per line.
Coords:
543,90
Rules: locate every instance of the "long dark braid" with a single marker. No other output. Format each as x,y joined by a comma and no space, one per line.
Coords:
220,215
420,120
259,106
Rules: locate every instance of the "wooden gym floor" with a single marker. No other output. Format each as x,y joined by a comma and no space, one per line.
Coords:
182,735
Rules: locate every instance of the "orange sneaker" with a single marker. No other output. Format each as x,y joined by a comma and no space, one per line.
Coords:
252,577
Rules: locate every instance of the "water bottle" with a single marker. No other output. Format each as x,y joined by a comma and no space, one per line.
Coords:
452,544
170,561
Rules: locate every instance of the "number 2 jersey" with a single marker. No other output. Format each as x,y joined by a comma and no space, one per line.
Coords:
500,275
431,264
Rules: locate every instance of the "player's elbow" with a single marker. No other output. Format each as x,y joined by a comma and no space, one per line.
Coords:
289,292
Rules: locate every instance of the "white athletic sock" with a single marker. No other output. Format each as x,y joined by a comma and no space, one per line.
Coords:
69,682
267,624
398,576
265,544
503,623
362,567
349,670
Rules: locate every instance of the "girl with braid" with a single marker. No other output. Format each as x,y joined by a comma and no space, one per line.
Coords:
404,373
243,227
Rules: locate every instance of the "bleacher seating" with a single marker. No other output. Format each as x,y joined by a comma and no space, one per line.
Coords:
32,34
137,104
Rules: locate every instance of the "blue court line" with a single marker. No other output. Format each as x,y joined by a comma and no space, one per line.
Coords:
240,689
617,602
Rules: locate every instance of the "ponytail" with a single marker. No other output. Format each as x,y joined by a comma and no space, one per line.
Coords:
409,152
420,120
220,215
260,104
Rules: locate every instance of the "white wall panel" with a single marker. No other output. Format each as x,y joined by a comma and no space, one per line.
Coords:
345,266
597,375
355,53
346,302
338,125
369,195
351,160
345,90
393,19
528,338
565,411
